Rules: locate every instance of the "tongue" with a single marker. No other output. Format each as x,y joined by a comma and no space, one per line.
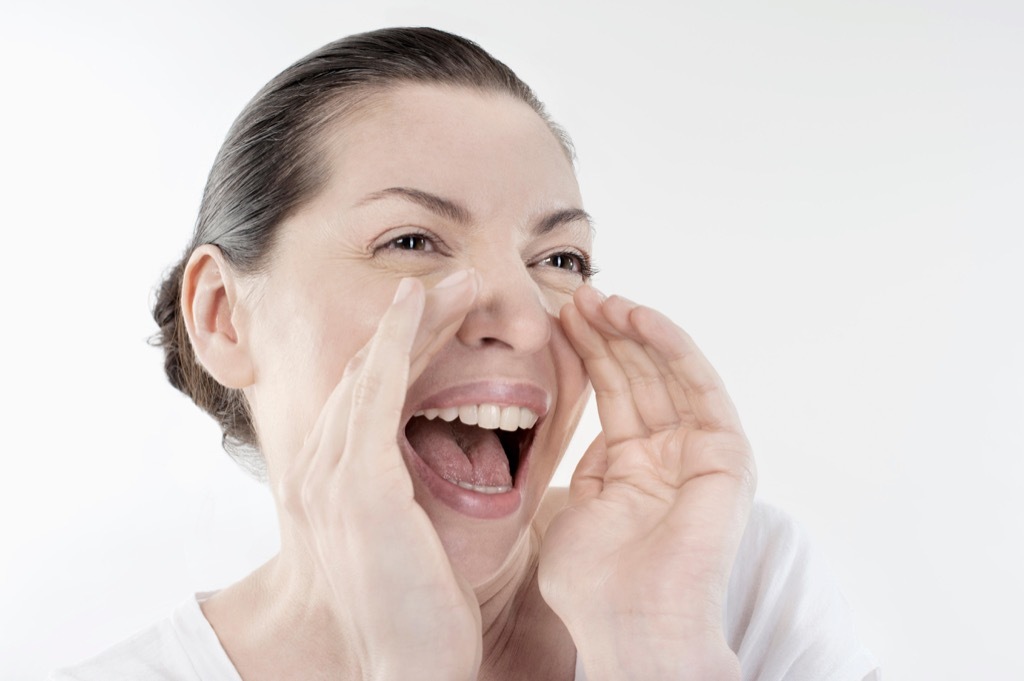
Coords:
460,453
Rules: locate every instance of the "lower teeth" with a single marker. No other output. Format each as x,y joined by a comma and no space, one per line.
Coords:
483,489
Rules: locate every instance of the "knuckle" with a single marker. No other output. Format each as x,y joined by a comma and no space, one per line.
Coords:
356,363
731,457
737,462
705,385
644,382
389,334
366,390
746,472
309,497
286,491
288,499
612,393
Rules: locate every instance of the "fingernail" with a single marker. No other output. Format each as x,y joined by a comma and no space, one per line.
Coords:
453,279
600,295
403,291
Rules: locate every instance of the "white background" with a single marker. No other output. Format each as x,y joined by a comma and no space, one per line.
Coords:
827,195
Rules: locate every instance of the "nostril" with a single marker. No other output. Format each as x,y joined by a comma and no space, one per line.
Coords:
507,315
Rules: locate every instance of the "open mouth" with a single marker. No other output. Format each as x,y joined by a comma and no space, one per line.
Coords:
478,447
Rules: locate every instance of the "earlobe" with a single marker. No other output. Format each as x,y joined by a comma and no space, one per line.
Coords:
209,304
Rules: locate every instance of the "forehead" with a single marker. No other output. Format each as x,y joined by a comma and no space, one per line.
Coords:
488,150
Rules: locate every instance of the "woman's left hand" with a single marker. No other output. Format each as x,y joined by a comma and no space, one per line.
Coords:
638,562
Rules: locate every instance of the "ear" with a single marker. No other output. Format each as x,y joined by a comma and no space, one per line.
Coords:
210,306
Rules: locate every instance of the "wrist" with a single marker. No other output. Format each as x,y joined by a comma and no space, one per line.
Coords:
621,653
401,670
444,659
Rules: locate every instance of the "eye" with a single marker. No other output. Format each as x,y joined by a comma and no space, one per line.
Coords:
570,262
411,242
564,261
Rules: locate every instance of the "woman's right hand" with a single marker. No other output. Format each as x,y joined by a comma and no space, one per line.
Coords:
404,611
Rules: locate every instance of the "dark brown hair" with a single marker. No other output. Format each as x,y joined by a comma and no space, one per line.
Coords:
270,164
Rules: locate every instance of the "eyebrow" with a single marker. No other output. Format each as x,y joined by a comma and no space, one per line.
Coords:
559,218
456,212
432,202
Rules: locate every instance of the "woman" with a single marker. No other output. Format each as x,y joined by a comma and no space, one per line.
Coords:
386,307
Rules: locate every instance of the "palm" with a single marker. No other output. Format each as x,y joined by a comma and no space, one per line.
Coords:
659,500
407,612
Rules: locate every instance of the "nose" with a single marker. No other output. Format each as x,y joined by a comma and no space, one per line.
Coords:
509,311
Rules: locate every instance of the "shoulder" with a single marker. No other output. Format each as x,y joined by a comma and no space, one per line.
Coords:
153,654
786,617
182,647
772,539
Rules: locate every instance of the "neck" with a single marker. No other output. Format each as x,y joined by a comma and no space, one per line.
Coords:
522,636
275,623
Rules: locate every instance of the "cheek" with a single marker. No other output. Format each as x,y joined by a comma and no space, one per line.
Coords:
573,386
554,293
339,328
572,375
305,342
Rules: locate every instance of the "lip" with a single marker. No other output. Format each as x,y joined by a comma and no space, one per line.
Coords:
501,393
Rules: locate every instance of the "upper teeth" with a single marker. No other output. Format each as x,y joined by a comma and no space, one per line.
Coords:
489,416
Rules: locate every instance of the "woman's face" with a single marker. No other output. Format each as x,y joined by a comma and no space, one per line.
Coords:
425,182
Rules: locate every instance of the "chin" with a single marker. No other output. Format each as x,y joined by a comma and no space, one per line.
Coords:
482,552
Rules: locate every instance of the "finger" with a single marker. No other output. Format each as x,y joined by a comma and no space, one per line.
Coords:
337,401
445,309
677,354
693,386
591,302
647,380
616,407
377,399
326,440
312,461
617,311
588,479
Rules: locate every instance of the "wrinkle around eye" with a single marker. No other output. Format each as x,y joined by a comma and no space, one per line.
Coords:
562,283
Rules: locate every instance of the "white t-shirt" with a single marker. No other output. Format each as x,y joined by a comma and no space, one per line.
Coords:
785,619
